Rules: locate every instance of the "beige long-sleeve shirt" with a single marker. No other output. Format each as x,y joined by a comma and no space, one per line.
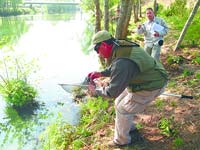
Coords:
148,29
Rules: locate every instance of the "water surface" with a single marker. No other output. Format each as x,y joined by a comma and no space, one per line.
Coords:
57,47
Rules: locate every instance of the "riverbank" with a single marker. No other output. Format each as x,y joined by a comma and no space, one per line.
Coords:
169,122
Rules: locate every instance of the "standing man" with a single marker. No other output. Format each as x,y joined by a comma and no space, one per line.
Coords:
136,79
154,29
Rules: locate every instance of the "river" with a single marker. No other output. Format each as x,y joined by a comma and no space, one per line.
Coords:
56,44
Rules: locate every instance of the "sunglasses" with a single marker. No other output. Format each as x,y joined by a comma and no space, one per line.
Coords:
96,48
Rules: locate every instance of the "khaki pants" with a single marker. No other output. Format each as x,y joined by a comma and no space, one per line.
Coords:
153,50
126,106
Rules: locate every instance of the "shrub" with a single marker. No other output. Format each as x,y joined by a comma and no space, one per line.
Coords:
17,92
14,73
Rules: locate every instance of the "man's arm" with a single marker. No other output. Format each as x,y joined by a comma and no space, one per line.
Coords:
106,72
122,71
165,30
140,29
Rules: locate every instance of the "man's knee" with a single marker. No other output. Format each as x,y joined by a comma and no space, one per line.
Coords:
130,109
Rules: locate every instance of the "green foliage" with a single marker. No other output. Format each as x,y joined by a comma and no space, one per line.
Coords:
14,85
175,7
197,76
94,109
192,82
87,5
173,103
18,92
159,103
60,135
174,59
176,19
166,127
196,60
77,144
12,4
11,30
178,142
191,38
171,84
187,72
139,126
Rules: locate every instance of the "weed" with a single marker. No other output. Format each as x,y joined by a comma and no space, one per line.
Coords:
14,85
197,76
178,142
166,127
196,60
171,84
192,82
173,103
174,60
139,126
159,104
61,135
18,92
187,72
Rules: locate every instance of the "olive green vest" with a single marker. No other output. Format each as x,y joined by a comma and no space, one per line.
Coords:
152,74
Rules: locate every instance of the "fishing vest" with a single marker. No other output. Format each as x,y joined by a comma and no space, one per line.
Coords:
152,74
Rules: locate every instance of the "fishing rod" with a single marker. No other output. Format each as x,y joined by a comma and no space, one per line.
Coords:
69,87
177,95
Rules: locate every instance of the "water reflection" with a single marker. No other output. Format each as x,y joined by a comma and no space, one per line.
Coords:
19,125
11,30
57,47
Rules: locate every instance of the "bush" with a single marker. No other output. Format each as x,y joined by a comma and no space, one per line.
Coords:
14,73
18,93
175,7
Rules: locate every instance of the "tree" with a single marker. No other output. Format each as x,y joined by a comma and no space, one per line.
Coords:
127,19
97,16
155,7
106,15
136,10
140,8
187,24
124,18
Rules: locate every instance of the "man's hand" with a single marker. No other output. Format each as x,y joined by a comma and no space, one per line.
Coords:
94,75
91,90
156,34
139,26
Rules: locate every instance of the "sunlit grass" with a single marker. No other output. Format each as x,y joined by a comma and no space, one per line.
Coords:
60,135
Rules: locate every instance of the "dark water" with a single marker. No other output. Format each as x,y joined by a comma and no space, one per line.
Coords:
56,45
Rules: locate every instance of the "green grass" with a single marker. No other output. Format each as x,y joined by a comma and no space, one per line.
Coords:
60,135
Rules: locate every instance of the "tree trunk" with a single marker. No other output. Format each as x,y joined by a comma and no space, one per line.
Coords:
155,7
106,15
122,18
127,19
140,8
97,16
136,10
187,24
